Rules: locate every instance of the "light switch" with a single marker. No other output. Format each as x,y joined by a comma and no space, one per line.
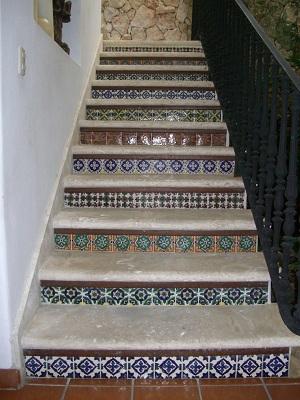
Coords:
21,61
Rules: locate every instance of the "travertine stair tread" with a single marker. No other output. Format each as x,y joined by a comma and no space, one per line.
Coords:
171,125
163,151
68,327
152,68
208,85
150,103
151,267
152,43
156,220
152,181
148,54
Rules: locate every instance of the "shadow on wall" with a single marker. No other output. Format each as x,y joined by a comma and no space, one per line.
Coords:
281,20
147,19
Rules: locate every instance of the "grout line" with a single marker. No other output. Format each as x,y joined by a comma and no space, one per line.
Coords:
199,389
266,389
132,390
65,389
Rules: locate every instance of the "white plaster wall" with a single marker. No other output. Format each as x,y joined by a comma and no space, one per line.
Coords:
38,114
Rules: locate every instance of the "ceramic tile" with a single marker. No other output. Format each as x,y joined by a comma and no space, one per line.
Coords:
150,61
153,49
158,76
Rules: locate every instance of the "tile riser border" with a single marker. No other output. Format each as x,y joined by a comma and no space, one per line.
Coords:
152,75
151,61
152,49
167,367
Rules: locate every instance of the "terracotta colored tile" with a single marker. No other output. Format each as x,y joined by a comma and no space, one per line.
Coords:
129,138
97,393
234,393
231,382
165,382
203,139
114,138
166,393
282,381
289,392
46,381
9,378
33,392
99,138
100,382
219,140
145,139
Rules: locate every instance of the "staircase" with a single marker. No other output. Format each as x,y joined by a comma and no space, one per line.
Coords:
154,225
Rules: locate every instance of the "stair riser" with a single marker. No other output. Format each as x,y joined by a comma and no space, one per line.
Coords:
143,242
151,61
235,365
154,49
147,138
152,114
157,76
187,200
155,94
168,296
148,166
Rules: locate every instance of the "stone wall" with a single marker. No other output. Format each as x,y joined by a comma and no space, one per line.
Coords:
281,20
147,19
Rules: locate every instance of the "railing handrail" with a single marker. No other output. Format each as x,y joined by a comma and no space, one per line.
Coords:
294,77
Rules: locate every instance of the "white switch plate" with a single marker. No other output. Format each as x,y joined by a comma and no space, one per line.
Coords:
21,61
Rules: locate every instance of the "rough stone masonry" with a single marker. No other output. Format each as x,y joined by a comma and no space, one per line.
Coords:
147,19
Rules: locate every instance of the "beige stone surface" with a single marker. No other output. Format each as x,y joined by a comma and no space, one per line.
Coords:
147,19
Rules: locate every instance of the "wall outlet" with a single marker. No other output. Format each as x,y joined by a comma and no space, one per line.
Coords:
21,61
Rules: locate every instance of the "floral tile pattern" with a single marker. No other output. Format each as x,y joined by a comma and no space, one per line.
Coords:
157,76
151,49
154,296
151,61
235,366
161,166
188,200
151,243
148,114
155,94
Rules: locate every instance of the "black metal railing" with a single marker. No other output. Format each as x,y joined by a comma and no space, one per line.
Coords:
260,96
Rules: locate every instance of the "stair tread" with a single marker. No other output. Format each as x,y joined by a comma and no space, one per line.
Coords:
157,84
149,54
153,68
149,103
172,125
154,43
215,220
167,151
68,327
153,181
151,267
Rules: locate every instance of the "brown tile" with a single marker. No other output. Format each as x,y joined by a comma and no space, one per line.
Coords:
100,382
219,140
129,138
144,139
289,392
9,378
113,138
166,393
230,382
282,381
233,393
99,138
165,382
97,393
159,139
46,381
203,139
33,392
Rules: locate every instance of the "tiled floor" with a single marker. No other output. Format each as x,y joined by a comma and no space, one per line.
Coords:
238,389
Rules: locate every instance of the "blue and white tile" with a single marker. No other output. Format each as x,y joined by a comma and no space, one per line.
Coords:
168,367
222,366
36,366
195,367
141,368
60,367
114,367
87,367
249,366
276,365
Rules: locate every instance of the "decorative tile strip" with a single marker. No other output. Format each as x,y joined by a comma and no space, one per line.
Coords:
153,139
156,94
189,200
151,61
148,114
156,49
218,366
164,166
154,243
158,76
154,296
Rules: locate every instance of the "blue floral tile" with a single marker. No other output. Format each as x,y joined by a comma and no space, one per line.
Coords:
141,368
114,367
222,367
60,367
249,366
276,365
195,367
87,367
168,368
36,366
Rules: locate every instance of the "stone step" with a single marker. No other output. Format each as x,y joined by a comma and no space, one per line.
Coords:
159,230
154,110
157,133
155,279
155,90
110,159
157,342
154,191
158,73
152,58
